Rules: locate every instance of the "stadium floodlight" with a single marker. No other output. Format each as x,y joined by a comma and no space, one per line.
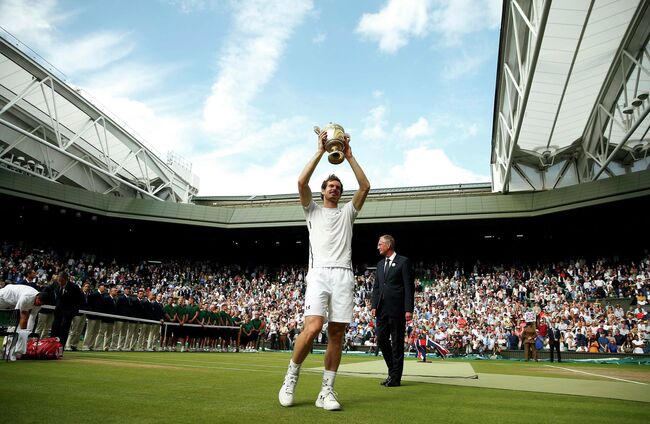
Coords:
638,100
628,110
546,160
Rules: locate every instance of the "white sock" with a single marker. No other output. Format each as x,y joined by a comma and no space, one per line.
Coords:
328,378
293,368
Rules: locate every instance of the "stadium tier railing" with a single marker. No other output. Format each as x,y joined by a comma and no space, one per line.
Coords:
162,323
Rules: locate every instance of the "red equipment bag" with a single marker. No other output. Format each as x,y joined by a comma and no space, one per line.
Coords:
50,348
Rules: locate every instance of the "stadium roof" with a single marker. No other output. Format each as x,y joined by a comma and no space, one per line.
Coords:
385,193
405,207
572,89
49,130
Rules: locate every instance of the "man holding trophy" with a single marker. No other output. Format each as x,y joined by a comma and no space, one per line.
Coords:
330,281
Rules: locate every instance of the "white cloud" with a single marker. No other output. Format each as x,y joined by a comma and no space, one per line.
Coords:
96,51
374,124
249,61
265,141
319,39
31,21
35,23
419,128
472,129
425,166
188,6
455,18
130,78
466,64
395,23
400,20
231,176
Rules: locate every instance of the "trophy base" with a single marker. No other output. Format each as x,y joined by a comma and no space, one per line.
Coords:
335,158
335,149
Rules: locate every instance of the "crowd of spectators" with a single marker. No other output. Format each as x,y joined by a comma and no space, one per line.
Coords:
475,310
484,311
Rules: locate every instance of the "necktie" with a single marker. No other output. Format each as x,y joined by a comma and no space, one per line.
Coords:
386,265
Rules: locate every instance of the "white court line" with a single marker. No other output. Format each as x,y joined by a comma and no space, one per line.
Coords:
116,358
598,375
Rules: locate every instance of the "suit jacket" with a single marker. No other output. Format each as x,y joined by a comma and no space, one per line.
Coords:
138,308
109,307
394,289
125,306
85,299
554,334
67,300
96,301
157,311
148,309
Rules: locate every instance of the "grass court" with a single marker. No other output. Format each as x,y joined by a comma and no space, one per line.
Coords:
169,387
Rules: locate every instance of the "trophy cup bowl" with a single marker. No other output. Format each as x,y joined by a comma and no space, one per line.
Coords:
334,145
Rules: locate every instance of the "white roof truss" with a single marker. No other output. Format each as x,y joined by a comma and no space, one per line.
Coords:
572,93
49,130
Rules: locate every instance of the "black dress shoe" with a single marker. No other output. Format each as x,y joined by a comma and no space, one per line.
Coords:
393,383
385,382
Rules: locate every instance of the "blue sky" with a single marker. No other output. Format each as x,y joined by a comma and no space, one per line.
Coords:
235,87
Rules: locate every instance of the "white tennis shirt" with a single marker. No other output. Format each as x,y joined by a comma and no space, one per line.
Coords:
18,296
330,235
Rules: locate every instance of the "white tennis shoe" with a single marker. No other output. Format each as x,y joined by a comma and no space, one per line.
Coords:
286,391
327,399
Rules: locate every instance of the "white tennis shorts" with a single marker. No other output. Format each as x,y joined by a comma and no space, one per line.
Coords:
330,294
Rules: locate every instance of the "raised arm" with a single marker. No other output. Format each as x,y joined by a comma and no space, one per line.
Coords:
359,197
303,180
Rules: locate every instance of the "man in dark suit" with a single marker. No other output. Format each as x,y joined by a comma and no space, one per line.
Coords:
554,338
67,299
79,321
392,304
156,338
107,327
95,302
121,331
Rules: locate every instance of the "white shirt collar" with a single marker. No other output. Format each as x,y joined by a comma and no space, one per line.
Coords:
391,258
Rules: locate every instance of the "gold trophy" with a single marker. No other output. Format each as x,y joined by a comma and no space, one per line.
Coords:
334,143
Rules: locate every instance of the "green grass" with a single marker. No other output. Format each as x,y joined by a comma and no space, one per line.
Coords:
541,369
98,388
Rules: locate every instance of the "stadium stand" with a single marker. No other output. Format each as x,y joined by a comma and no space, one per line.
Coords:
475,310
